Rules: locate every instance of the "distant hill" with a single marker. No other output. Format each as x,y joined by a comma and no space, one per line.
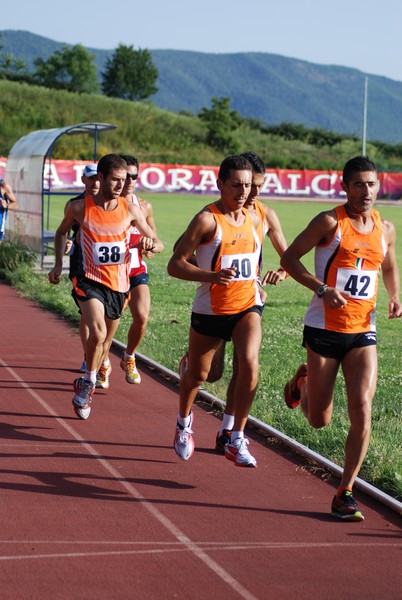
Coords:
267,87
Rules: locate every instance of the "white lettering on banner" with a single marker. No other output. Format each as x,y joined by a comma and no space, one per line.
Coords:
315,184
79,170
294,177
180,179
151,172
50,176
208,180
272,181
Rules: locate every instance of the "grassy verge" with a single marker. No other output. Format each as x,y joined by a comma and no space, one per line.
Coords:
281,352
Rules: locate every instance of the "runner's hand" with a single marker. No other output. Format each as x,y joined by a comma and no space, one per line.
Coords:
225,276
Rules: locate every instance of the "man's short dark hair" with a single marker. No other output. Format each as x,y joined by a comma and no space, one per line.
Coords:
233,163
109,162
358,164
256,162
131,160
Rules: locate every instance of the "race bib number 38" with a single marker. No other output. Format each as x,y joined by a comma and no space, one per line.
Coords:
358,284
109,253
245,265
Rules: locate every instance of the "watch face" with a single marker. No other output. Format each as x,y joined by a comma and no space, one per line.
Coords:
321,290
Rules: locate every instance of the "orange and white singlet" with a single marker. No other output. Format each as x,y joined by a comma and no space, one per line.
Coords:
104,241
231,246
137,265
350,262
263,226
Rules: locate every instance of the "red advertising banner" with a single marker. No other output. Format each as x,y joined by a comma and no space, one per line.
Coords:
279,183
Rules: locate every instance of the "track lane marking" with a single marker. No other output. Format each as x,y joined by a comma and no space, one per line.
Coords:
132,490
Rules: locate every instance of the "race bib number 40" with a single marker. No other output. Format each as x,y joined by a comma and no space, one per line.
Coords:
109,253
245,265
358,284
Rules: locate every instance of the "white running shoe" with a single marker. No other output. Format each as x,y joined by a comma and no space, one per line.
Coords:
238,453
84,390
183,440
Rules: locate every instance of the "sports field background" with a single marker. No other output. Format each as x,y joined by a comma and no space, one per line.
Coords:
281,352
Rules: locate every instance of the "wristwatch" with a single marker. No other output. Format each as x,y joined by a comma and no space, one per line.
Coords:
320,291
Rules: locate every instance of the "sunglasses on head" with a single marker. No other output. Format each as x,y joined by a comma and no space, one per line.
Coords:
132,176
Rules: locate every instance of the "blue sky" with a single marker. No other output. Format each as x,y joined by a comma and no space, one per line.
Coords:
363,34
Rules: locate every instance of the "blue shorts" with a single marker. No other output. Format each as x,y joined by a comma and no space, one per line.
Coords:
141,279
219,326
332,344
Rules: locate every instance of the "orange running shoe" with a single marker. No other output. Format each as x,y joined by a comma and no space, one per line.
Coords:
292,390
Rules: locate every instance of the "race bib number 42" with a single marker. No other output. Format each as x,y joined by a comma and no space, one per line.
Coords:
109,253
245,265
358,284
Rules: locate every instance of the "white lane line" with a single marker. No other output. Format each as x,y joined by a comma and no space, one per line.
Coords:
132,490
235,545
210,547
178,547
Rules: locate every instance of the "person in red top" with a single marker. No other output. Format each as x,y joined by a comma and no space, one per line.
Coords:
227,303
102,286
140,297
352,243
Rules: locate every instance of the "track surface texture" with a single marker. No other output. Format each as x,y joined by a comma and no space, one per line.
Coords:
103,509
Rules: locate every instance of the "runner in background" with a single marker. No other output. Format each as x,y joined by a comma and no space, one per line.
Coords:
90,180
352,244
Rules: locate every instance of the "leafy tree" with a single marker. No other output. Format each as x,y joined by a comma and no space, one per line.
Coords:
70,68
9,62
130,74
222,124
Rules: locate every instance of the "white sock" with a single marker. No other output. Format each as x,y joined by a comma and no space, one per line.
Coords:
227,422
90,376
184,421
106,363
127,356
235,435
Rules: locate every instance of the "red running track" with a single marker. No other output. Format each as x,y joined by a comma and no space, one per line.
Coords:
104,509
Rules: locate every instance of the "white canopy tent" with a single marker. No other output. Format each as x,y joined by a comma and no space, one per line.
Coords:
25,172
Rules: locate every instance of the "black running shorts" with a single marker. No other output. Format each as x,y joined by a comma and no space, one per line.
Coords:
219,326
114,302
336,345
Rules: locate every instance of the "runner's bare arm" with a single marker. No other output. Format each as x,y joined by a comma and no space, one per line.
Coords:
158,245
181,265
9,197
275,234
317,232
74,212
147,242
390,272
